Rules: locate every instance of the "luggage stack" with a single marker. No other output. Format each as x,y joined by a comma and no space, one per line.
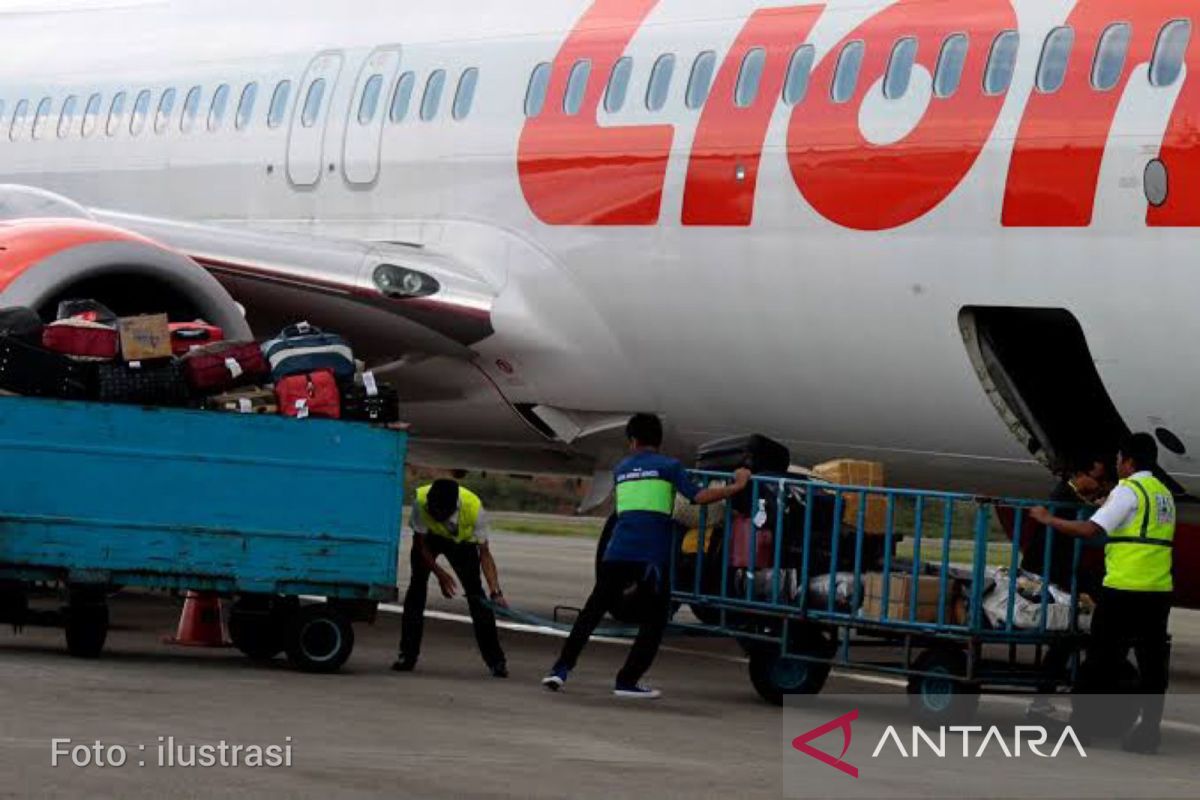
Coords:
89,353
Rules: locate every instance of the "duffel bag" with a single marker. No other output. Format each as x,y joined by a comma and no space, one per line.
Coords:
250,400
187,336
225,365
147,383
29,370
370,401
311,395
21,323
81,338
304,348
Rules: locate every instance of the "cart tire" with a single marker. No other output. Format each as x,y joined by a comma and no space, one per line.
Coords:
86,628
259,634
1106,705
318,639
775,675
939,699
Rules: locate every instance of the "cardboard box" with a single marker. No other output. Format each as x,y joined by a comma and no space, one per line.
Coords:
900,594
848,472
145,338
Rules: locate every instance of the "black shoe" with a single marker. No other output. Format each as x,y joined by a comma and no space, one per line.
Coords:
500,669
404,664
1141,740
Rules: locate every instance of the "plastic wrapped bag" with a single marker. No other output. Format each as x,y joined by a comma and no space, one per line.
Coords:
1027,605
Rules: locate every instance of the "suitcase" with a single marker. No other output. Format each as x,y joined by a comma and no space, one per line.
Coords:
370,401
29,370
21,323
739,545
314,394
251,400
303,348
225,365
761,455
187,336
81,338
90,310
148,383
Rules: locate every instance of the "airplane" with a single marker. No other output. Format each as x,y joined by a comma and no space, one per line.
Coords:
954,237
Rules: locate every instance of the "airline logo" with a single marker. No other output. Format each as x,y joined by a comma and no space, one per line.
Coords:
573,171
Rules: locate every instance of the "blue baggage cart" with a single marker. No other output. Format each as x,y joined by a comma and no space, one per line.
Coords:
260,509
797,578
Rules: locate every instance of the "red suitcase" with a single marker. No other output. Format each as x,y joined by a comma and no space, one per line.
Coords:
82,339
739,546
187,336
222,366
313,395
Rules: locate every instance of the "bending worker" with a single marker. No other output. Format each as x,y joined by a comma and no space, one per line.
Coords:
639,552
448,519
1135,602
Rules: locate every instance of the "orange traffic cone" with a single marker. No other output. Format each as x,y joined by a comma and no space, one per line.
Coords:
200,624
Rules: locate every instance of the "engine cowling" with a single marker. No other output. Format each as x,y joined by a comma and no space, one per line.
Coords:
44,261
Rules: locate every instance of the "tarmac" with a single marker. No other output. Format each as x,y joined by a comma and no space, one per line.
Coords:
446,730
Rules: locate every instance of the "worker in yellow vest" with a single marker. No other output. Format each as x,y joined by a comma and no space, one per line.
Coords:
1138,523
448,520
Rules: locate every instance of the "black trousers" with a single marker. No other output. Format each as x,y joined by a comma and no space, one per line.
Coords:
615,578
1136,620
464,560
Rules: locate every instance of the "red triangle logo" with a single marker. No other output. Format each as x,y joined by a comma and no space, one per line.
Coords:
842,723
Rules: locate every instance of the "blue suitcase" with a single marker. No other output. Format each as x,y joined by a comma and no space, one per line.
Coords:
303,348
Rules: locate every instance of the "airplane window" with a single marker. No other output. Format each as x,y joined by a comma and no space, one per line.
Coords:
795,86
41,117
1001,63
845,76
370,100
91,115
432,100
245,110
402,97
750,78
618,85
216,111
1110,56
141,109
1055,54
20,113
191,109
116,114
700,83
577,86
660,82
312,103
464,97
67,118
279,104
951,60
900,68
166,107
535,95
1169,51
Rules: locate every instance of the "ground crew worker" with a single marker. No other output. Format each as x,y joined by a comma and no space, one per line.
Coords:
1135,602
639,553
448,519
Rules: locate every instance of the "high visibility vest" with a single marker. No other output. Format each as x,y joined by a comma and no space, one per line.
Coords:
650,493
469,507
1137,556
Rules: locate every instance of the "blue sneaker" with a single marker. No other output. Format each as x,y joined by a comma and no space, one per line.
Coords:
637,692
555,680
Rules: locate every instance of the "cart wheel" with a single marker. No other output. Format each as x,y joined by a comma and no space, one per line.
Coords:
775,675
86,627
1105,704
937,698
256,630
318,639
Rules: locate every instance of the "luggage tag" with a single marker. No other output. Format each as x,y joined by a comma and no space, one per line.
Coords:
303,327
135,365
302,408
370,385
235,369
244,405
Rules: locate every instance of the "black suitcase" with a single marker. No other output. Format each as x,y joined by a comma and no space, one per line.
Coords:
762,455
27,369
21,323
358,405
147,383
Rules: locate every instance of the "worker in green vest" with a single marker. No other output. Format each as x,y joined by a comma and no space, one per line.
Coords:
448,520
1138,523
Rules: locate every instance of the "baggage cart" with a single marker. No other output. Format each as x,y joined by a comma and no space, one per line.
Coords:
259,509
